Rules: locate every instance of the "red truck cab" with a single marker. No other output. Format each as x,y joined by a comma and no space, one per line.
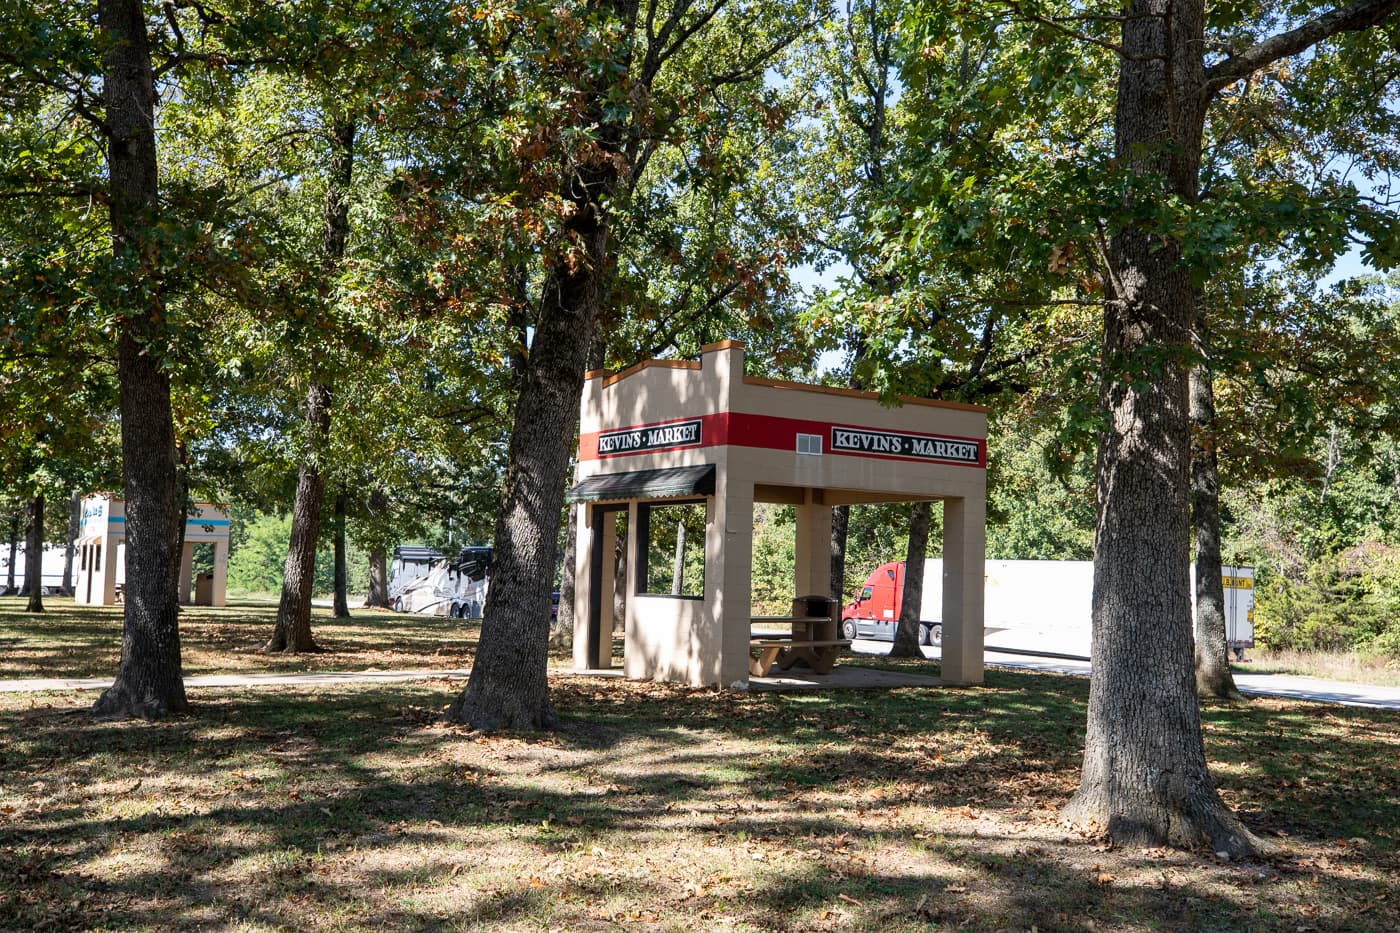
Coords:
875,611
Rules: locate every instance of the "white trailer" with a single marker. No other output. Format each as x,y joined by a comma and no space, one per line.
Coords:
1040,607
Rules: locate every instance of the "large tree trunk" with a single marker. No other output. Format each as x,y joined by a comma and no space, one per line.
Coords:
75,507
293,630
564,620
182,511
14,553
149,682
341,608
378,595
906,633
34,555
1213,677
1144,779
840,526
508,687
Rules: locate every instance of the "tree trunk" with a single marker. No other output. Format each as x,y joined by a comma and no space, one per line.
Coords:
75,507
678,562
14,552
906,633
840,525
619,606
293,630
34,555
1213,677
182,511
149,681
508,687
378,596
341,609
564,619
1144,779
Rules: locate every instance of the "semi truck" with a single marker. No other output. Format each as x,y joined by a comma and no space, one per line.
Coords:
1029,606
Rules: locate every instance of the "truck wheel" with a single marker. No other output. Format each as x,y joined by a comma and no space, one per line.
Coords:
848,629
398,604
925,633
935,635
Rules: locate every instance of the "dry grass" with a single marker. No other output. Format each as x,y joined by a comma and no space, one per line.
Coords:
1350,666
85,641
670,809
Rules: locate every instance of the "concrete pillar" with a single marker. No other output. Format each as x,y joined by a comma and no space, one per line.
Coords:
813,553
594,584
220,589
584,543
734,573
186,572
964,550
108,595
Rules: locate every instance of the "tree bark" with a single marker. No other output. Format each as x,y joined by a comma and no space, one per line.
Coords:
378,595
1144,779
341,608
34,555
14,552
564,620
292,632
75,507
678,562
149,681
906,633
508,688
840,527
1213,677
293,629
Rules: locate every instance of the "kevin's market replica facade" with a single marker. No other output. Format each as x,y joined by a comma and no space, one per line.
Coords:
684,449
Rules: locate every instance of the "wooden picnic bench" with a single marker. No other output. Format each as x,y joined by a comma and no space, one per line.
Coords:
810,640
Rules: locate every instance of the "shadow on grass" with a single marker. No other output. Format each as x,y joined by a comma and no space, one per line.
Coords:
267,797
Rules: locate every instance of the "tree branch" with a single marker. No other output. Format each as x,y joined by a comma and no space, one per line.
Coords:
1362,14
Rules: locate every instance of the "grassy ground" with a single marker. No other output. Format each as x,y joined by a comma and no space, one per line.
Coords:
85,641
668,808
654,807
1335,665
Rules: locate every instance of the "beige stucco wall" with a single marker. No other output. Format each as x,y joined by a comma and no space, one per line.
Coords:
707,642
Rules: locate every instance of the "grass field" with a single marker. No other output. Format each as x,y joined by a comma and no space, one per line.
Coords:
658,807
85,641
1334,665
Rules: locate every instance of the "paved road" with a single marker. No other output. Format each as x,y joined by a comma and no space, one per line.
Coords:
1289,686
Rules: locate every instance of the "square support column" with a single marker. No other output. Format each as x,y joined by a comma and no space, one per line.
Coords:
108,595
964,540
734,572
220,589
813,552
186,572
593,587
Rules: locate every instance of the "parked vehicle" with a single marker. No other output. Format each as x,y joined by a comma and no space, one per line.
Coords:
425,581
875,611
1032,606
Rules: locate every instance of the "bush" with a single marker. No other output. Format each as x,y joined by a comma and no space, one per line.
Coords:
1346,600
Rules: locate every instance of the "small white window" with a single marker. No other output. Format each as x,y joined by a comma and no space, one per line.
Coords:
809,444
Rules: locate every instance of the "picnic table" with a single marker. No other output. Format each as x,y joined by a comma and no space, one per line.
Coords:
811,640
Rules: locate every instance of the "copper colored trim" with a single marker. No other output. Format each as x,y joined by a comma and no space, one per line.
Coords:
722,345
